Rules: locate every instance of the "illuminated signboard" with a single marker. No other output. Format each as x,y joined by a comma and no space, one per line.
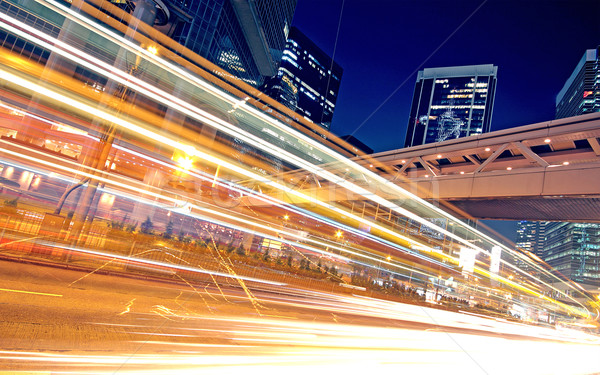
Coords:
467,259
495,259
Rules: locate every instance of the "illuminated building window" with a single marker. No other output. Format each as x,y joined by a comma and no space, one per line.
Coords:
315,78
446,104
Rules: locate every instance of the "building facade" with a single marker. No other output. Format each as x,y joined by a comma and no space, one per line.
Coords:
308,80
357,144
531,236
244,37
574,250
451,102
581,92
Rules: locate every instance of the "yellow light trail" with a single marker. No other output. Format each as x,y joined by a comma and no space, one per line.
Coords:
191,151
323,347
186,108
29,292
248,223
214,121
237,103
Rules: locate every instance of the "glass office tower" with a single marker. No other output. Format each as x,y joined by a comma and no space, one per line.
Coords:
574,248
531,235
581,92
308,80
451,102
246,38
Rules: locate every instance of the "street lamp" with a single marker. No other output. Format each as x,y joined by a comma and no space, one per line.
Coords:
152,49
185,162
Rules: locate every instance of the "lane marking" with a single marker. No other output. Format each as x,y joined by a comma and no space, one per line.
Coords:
27,292
127,308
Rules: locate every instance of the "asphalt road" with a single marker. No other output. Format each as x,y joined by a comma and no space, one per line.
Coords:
65,321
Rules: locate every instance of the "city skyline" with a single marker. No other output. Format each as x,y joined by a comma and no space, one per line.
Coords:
536,46
147,195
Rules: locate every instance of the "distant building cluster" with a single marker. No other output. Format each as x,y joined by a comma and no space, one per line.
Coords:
455,102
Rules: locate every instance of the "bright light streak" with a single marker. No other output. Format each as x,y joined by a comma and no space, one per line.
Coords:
29,292
161,264
184,107
211,219
218,123
222,125
186,148
236,101
190,150
319,346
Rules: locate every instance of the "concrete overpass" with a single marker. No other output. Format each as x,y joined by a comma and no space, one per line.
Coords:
543,171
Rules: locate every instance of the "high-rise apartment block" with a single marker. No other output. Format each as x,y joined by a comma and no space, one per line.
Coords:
451,102
581,92
308,80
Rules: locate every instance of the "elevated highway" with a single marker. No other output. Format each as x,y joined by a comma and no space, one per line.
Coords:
543,171
148,135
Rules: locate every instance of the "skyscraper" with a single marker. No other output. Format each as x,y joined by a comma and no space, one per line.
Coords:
530,236
450,103
581,92
574,248
308,80
244,37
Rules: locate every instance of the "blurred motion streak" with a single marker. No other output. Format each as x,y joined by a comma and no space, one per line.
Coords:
123,154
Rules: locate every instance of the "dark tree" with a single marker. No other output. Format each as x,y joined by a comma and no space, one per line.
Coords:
168,230
146,226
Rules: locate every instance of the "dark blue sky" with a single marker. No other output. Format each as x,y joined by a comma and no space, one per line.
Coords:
536,44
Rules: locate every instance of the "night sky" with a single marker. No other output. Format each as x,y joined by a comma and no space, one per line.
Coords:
382,44
536,44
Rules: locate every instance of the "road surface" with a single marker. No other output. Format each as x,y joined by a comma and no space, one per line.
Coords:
66,321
